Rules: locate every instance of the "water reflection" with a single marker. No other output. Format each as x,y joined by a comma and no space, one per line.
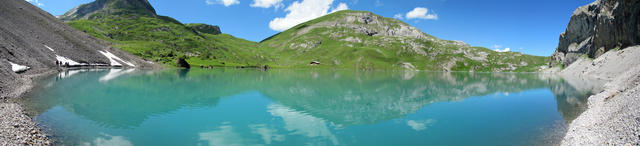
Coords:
312,104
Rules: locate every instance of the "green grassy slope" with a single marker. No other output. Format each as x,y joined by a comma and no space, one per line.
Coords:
345,39
163,39
339,45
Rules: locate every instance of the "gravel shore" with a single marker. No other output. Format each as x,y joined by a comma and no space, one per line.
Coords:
16,128
613,117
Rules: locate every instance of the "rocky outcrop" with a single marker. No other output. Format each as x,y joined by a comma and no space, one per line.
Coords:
608,31
110,7
205,28
371,25
597,28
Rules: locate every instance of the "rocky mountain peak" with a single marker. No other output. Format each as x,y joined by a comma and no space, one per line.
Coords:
597,28
367,23
111,7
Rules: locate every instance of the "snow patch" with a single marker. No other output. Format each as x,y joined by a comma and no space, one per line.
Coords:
49,48
67,60
114,73
68,73
18,67
114,59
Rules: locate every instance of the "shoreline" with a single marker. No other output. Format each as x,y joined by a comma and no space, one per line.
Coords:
599,124
613,114
16,126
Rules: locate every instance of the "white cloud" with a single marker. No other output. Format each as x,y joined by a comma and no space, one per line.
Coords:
398,16
268,134
111,140
302,124
341,6
379,3
421,13
496,46
302,11
226,3
267,3
36,2
225,136
503,50
420,125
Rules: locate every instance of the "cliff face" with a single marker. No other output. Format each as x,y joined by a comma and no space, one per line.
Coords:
597,28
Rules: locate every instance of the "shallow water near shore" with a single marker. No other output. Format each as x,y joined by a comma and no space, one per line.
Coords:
302,107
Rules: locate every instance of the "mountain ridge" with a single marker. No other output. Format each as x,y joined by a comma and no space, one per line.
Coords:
343,39
384,43
109,7
161,38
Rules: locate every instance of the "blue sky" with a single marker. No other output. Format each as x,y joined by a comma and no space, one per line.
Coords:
528,26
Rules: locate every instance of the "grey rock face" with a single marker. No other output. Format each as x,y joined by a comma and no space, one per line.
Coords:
110,7
599,27
34,38
205,28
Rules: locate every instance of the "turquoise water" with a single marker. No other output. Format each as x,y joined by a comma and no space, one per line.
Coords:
303,107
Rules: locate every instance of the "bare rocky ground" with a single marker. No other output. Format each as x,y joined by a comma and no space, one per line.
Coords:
16,128
613,117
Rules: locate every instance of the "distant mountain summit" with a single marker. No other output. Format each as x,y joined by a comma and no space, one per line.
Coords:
109,7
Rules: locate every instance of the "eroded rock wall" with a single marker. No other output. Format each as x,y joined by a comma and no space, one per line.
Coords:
597,28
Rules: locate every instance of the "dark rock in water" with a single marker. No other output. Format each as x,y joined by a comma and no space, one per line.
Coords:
182,63
266,67
597,28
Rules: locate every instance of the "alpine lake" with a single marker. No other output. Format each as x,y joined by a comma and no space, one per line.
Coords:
304,107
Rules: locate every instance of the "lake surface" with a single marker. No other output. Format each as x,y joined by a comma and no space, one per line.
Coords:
303,107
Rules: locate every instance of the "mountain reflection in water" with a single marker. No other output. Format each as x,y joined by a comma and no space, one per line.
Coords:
124,99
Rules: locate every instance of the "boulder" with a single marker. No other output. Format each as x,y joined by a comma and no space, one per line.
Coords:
181,62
